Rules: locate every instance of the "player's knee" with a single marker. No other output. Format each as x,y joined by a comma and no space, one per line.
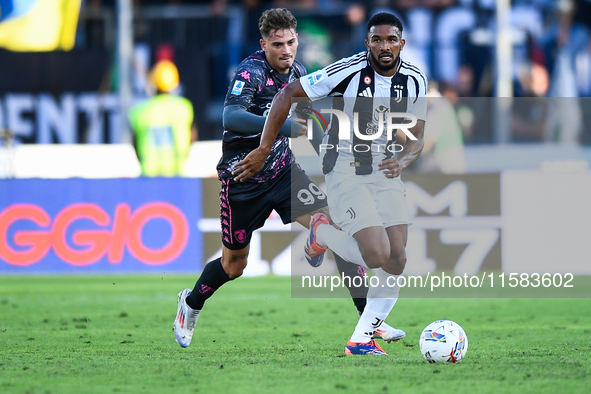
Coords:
234,269
396,264
375,257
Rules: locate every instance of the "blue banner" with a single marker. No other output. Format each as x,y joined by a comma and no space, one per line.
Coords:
100,226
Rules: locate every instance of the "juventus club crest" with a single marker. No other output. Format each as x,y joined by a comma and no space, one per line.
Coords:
397,93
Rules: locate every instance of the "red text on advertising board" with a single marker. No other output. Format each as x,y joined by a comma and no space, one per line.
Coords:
125,231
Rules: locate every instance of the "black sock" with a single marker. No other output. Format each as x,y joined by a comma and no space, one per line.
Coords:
358,293
360,304
211,279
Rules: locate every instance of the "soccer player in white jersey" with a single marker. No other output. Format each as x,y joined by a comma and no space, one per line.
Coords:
366,195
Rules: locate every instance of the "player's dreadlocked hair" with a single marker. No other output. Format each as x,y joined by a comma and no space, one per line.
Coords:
384,18
276,19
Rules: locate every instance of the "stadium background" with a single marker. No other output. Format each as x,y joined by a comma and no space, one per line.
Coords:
60,116
92,255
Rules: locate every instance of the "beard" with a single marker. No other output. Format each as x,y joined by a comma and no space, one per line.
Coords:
383,67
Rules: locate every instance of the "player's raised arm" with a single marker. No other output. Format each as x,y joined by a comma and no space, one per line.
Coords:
254,162
278,113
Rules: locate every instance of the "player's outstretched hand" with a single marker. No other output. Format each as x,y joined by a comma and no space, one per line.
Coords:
249,166
303,129
391,167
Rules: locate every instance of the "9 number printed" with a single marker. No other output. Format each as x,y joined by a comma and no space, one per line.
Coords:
306,196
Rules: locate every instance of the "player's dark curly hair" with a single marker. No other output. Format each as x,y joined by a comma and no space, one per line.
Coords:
384,18
276,19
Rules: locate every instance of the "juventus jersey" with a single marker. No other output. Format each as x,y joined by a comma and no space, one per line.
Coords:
371,97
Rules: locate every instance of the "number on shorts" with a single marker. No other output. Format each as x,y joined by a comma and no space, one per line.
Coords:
306,196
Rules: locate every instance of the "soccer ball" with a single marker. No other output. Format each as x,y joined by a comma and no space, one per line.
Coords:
443,341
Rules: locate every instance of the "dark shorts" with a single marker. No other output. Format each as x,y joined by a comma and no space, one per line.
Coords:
244,207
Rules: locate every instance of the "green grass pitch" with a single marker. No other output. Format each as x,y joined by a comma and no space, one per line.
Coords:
112,334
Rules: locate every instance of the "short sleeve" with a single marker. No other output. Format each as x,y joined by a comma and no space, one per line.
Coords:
418,107
322,83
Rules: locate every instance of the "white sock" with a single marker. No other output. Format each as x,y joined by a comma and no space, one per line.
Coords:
341,243
380,301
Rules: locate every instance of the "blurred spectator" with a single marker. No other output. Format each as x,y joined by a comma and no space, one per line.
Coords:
431,4
444,144
296,4
163,125
465,81
355,17
467,96
568,39
530,108
450,24
141,64
535,81
252,12
454,41
314,44
356,14
216,7
165,52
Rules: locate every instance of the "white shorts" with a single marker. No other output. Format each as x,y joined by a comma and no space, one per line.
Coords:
361,201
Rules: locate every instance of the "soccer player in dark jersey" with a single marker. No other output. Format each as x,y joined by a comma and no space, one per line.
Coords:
367,196
244,206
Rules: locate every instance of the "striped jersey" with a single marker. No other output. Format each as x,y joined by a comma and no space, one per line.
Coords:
370,96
